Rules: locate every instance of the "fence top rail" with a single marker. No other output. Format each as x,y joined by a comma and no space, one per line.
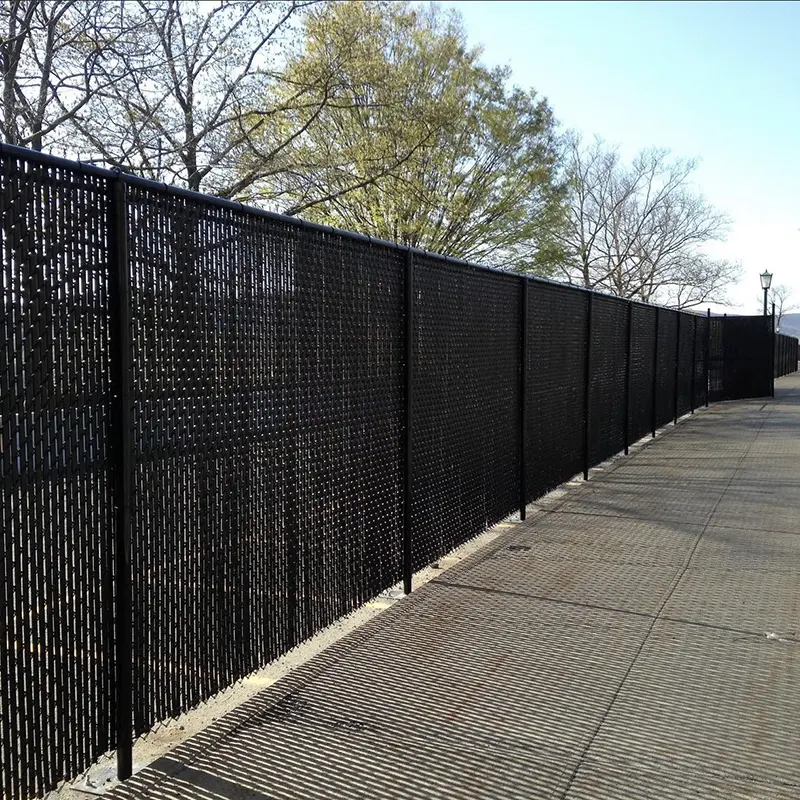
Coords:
88,168
722,316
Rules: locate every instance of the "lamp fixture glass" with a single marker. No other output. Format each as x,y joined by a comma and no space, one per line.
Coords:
766,279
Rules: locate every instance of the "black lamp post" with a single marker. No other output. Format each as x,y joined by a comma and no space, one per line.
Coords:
766,280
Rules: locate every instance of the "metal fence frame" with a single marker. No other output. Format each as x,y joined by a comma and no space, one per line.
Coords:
541,382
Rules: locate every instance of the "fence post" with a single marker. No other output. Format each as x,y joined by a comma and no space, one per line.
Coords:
408,463
693,386
677,370
587,386
708,350
628,327
122,438
523,417
772,356
654,411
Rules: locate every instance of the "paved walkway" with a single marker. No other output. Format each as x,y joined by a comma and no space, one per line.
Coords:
638,637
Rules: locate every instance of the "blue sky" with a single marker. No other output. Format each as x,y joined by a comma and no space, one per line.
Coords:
717,81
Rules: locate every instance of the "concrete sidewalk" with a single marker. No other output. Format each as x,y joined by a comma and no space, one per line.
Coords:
638,637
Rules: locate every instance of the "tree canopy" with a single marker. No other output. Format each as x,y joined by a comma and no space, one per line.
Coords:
422,143
372,115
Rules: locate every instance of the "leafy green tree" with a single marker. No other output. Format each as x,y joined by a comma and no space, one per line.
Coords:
419,143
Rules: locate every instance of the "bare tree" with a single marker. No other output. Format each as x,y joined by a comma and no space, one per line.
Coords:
638,231
781,296
55,55
184,111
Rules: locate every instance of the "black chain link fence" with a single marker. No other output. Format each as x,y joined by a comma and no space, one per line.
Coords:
268,399
701,347
205,422
642,370
741,357
466,404
786,355
556,375
608,358
58,521
666,371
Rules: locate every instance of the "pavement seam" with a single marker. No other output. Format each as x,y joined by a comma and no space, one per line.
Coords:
611,609
752,529
675,582
685,520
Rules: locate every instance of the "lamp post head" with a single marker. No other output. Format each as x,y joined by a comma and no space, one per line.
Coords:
766,279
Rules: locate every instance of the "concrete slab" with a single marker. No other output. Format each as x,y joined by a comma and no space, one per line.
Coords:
672,479
673,471
582,537
764,514
704,713
739,550
745,599
643,501
635,588
381,718
637,782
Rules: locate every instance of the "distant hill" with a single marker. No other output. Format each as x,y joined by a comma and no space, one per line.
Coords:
790,325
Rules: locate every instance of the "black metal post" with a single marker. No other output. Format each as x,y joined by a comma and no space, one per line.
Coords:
587,386
693,385
765,302
772,356
122,447
523,381
708,350
409,422
677,370
626,426
654,412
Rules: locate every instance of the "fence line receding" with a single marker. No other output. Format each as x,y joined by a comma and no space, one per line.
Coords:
205,456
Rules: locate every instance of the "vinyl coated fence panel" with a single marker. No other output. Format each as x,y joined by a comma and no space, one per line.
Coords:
785,354
215,442
701,365
466,404
643,363
268,412
739,366
607,386
665,380
56,645
685,364
557,319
